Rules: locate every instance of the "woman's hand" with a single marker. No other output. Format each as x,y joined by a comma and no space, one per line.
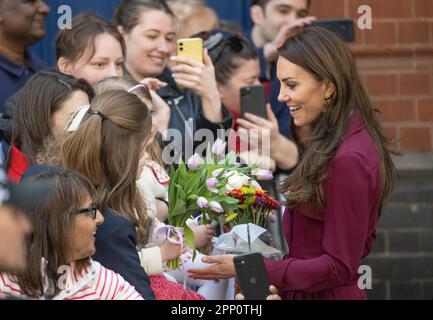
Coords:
159,108
203,235
222,268
273,296
271,143
255,128
153,83
200,78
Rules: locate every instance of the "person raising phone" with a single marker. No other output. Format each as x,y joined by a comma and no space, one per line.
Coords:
236,66
149,29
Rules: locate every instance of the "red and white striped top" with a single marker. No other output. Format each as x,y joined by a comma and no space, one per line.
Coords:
94,283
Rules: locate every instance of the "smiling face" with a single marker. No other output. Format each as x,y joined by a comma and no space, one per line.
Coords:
278,13
24,19
61,118
84,231
150,44
107,61
301,92
247,74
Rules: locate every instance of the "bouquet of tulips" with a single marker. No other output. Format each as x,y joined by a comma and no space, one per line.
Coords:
203,185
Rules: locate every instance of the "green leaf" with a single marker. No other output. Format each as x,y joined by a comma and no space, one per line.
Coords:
230,200
189,237
231,217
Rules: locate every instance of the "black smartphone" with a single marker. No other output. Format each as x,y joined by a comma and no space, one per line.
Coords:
252,276
253,100
344,28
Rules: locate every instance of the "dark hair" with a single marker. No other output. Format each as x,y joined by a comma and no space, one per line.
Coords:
226,53
106,148
263,3
73,43
52,225
127,14
326,57
40,98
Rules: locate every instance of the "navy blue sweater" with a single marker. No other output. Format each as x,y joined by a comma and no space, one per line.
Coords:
116,249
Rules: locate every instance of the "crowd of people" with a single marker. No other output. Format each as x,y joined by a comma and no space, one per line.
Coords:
86,144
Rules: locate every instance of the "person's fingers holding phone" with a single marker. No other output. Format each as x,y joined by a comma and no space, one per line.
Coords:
268,128
195,75
274,294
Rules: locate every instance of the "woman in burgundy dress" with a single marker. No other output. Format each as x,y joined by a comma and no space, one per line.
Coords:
336,193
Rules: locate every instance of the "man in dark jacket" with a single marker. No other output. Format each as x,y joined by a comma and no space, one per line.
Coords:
22,23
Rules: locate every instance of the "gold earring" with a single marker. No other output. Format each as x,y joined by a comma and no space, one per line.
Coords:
326,102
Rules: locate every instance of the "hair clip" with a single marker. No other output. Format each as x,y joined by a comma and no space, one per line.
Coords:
77,118
213,41
98,113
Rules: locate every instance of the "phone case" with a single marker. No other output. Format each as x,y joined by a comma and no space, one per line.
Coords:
253,100
191,48
344,28
252,276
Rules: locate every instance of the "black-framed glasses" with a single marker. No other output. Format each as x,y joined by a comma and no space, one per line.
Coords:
93,210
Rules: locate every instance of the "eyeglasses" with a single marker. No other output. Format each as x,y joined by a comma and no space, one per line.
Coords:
93,211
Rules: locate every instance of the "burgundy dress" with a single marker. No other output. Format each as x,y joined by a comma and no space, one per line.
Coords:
326,248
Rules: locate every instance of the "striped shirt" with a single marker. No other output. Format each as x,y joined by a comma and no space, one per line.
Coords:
94,283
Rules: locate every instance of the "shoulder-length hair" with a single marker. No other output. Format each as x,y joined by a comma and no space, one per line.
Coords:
49,244
106,148
326,57
73,43
40,98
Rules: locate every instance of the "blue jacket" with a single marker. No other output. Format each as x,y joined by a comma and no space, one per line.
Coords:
116,249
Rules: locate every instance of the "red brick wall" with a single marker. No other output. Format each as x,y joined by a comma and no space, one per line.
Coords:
395,60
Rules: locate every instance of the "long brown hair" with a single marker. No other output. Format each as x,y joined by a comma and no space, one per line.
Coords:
106,149
52,226
326,57
41,97
126,83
